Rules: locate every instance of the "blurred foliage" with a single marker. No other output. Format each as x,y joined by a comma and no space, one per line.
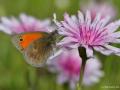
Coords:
15,74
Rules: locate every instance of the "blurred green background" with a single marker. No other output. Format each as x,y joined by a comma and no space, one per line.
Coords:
15,74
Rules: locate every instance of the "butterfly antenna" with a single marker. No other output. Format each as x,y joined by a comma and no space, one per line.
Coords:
56,22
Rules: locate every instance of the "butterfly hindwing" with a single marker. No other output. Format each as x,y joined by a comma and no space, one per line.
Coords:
38,52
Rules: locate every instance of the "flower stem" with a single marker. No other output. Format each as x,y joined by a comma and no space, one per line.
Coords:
28,80
32,85
83,55
66,86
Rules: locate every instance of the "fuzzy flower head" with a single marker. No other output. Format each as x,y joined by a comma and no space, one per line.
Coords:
23,24
103,7
68,64
82,31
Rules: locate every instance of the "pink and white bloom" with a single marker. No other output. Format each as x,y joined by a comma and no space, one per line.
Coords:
82,31
23,24
68,63
95,7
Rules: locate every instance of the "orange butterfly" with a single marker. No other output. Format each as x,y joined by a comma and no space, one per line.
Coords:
37,47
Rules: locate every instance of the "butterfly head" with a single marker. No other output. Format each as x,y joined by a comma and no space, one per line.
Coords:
17,41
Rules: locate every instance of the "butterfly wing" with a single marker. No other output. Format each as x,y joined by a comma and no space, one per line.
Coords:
37,47
23,40
38,52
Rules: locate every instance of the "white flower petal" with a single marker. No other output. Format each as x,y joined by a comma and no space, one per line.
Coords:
68,28
93,64
116,34
89,51
94,79
103,50
96,20
74,18
70,21
88,18
46,22
14,21
112,27
64,33
115,41
109,47
67,40
24,18
62,78
73,85
98,73
5,29
54,56
80,17
104,21
6,22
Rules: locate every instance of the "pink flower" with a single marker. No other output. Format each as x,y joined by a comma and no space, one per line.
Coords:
97,34
104,8
23,24
68,63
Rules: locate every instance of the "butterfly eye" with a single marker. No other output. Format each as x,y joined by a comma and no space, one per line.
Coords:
21,39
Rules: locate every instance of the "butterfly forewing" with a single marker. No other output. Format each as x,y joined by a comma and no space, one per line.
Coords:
23,40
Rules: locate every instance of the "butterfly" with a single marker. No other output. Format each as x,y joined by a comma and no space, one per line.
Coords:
36,47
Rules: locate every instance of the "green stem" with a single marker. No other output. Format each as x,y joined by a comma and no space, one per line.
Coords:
36,82
83,55
27,75
32,84
66,86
